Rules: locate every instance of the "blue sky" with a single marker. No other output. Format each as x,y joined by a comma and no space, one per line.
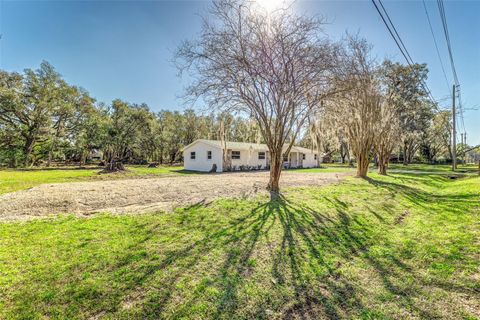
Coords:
124,49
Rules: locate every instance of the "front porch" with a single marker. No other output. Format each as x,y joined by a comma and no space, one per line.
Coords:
293,160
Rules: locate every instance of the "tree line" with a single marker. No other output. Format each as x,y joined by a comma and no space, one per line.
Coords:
45,120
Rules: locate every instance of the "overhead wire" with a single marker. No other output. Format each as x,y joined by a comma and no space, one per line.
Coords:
443,18
401,46
436,46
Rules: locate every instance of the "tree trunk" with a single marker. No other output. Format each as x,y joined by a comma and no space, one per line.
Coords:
114,165
83,157
382,164
382,169
27,149
342,154
275,171
383,157
363,162
49,159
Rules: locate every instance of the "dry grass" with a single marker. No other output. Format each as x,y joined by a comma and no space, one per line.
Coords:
145,195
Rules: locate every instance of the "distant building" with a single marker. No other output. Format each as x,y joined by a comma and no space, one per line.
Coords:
202,155
95,155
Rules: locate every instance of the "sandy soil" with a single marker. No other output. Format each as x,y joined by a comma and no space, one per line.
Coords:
144,195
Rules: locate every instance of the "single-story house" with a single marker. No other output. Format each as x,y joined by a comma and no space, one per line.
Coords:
202,155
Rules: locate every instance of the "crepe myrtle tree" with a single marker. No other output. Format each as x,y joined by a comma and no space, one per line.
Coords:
386,137
271,66
357,109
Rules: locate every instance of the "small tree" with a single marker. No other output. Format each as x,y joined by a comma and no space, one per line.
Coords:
271,66
386,137
357,109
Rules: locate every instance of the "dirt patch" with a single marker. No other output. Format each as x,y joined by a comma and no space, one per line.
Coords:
402,217
144,195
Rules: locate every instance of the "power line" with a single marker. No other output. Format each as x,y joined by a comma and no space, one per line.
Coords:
401,46
443,17
436,46
395,30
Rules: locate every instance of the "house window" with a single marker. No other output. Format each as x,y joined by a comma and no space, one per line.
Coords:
315,157
209,155
261,156
285,158
303,156
236,155
192,155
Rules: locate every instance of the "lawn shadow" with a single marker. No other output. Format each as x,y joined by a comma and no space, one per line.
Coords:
303,249
345,236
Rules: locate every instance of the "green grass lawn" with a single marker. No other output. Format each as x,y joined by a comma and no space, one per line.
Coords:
469,168
14,180
404,246
415,167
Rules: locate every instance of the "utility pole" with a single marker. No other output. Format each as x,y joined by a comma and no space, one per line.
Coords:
454,133
465,147
461,142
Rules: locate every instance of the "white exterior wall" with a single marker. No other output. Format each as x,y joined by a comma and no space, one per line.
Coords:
310,161
249,158
201,163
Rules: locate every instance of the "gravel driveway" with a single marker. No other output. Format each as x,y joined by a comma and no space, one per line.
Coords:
145,195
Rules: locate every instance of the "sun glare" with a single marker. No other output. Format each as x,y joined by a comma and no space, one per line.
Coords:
270,5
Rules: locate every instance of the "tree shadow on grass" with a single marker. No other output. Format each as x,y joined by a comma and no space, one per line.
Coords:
301,261
347,238
303,253
422,199
414,195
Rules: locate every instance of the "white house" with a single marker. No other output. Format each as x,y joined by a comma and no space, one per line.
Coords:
202,155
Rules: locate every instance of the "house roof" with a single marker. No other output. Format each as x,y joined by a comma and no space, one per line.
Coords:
244,146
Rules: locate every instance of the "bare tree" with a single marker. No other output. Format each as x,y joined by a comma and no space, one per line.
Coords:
386,138
356,109
271,66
